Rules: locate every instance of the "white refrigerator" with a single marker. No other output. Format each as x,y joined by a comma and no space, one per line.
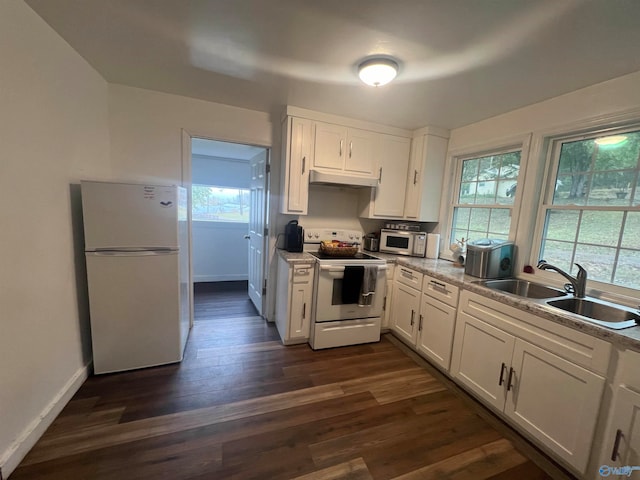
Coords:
137,255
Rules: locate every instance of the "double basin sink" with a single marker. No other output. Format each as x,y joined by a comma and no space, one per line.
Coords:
594,310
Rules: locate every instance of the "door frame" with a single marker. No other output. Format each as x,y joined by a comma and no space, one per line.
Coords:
186,174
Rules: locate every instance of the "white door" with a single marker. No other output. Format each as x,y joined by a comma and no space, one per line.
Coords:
134,298
482,359
257,223
129,216
554,400
622,440
404,316
435,337
393,158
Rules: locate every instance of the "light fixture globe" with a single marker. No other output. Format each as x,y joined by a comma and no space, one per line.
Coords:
377,71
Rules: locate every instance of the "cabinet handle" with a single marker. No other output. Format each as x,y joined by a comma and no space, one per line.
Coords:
501,379
616,445
350,148
304,310
340,147
420,324
509,384
380,176
415,177
304,164
384,304
413,314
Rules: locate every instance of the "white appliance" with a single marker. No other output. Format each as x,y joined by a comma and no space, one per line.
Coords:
336,322
402,242
136,249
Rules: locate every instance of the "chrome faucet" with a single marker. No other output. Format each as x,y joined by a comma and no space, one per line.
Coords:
579,282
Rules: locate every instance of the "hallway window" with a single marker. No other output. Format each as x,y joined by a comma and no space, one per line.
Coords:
220,204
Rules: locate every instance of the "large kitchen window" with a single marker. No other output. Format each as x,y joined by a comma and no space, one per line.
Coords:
485,190
590,213
220,204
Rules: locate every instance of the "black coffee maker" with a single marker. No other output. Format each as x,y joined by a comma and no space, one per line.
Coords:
293,237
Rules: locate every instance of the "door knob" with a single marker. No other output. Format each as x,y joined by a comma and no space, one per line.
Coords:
247,237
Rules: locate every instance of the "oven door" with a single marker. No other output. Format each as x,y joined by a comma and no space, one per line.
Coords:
329,306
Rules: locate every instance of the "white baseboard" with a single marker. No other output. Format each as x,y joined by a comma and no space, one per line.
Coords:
219,278
12,456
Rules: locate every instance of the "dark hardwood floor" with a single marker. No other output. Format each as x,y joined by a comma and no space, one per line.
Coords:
243,406
213,300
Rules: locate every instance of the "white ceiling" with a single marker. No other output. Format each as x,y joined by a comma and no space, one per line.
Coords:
461,60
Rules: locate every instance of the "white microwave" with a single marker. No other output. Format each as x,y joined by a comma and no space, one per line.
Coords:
403,242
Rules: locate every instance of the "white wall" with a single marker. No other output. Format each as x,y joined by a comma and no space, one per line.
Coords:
146,139
617,95
593,106
53,132
220,252
219,248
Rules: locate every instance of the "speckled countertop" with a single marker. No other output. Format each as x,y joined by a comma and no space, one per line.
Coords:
446,271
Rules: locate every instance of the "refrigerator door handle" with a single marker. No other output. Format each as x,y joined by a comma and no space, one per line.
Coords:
124,253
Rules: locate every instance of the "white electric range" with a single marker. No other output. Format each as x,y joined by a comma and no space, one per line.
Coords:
342,315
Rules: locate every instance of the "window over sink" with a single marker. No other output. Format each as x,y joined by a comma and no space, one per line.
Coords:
590,211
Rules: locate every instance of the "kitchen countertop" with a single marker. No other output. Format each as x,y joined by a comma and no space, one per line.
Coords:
446,271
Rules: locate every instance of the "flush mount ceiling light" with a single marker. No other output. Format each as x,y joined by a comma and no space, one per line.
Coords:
610,140
377,71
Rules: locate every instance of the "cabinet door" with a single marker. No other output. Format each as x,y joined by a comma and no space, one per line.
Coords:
554,400
404,316
622,440
300,314
360,152
412,193
435,330
392,160
299,161
481,358
424,179
330,146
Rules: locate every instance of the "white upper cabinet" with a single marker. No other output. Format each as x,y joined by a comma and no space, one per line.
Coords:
346,150
392,162
297,145
424,179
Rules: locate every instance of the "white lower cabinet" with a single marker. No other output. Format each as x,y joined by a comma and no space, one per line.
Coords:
620,446
406,307
544,378
294,293
424,317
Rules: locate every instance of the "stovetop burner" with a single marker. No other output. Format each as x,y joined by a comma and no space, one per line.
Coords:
357,256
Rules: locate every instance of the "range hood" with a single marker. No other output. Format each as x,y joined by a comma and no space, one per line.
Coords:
341,179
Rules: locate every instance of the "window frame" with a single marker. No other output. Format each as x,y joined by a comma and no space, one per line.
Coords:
455,159
552,146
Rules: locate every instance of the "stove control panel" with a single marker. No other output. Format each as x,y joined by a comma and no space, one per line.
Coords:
316,235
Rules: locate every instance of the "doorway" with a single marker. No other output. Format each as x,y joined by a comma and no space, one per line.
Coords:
229,214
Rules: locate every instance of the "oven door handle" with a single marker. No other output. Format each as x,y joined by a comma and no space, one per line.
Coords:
340,268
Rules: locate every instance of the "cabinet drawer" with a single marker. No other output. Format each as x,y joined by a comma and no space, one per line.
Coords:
443,291
302,273
409,277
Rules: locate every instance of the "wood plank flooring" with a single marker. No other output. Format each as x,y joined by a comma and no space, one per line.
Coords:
243,406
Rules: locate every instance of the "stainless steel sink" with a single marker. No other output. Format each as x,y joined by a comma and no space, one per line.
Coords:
598,311
522,288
